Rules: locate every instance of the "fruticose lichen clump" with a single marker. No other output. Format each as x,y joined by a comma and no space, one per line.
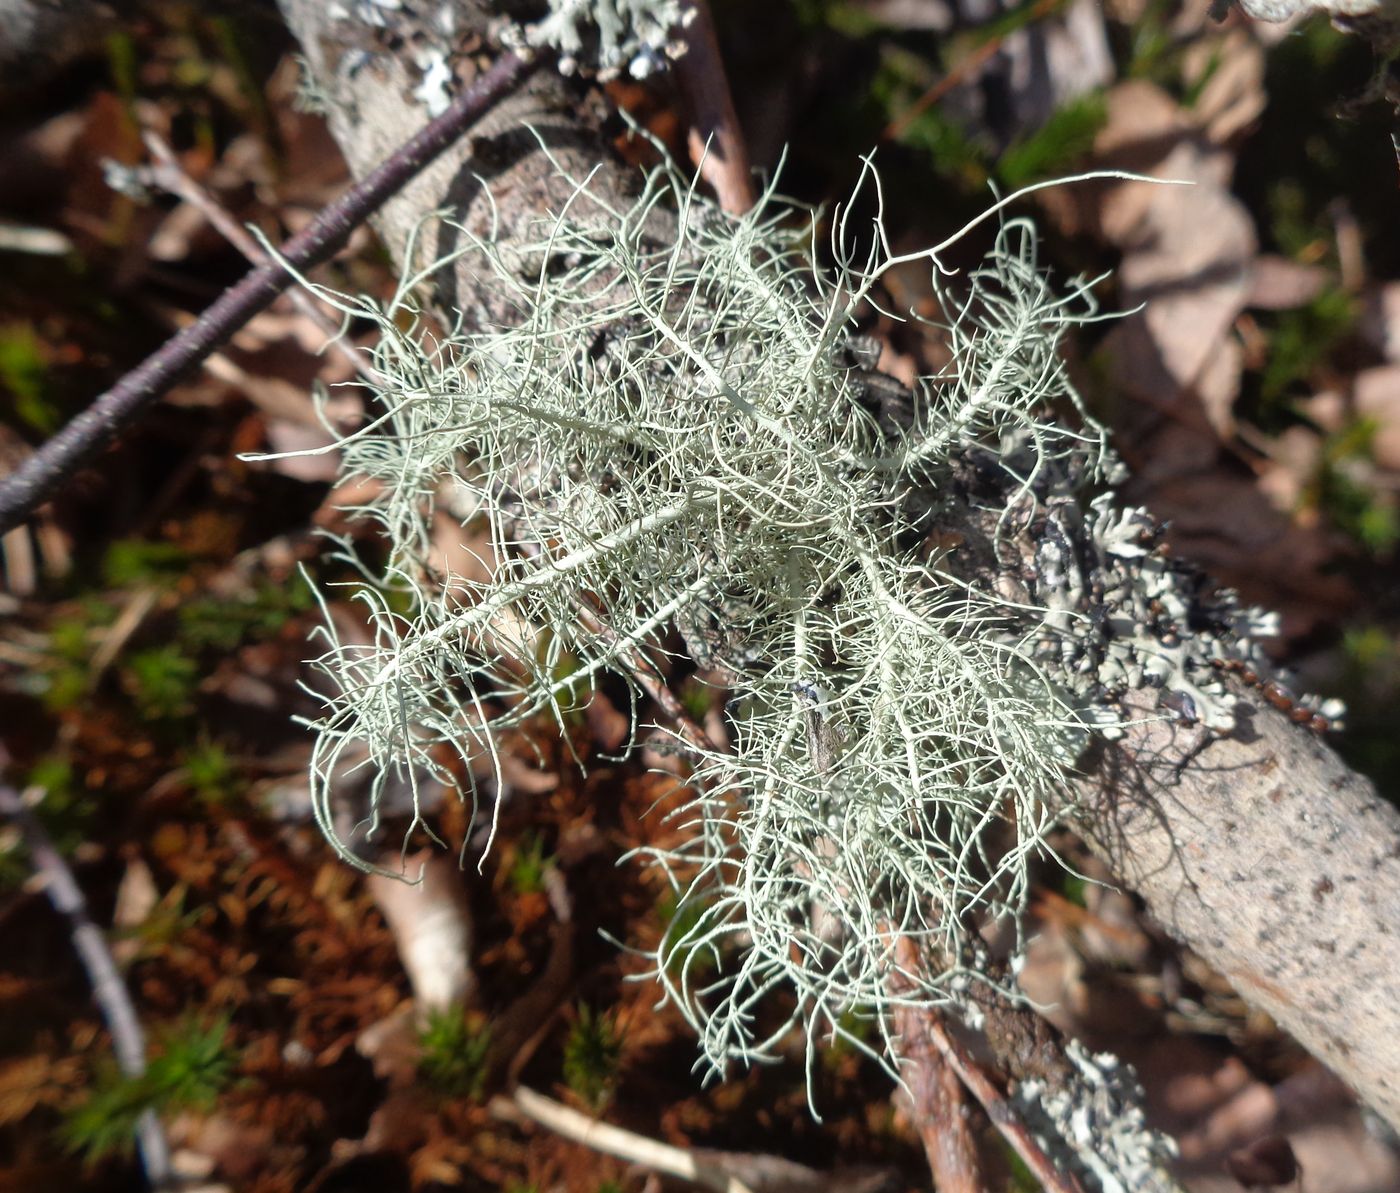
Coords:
678,439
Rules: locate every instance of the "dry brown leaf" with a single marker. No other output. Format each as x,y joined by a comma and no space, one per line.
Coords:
1233,96
1294,458
1278,284
1376,396
137,897
39,1080
1380,321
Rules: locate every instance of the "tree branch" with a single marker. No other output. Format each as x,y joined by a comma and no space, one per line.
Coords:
40,476
1264,853
108,989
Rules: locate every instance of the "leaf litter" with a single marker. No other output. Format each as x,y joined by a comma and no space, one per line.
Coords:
226,904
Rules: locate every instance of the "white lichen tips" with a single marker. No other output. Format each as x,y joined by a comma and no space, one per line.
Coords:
607,37
671,431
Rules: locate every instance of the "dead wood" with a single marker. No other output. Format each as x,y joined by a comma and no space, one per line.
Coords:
1262,851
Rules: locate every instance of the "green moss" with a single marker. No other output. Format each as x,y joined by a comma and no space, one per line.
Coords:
218,624
210,771
1058,145
1302,340
454,1050
591,1056
685,920
131,562
65,679
24,371
64,811
528,867
901,78
162,681
192,1066
1366,513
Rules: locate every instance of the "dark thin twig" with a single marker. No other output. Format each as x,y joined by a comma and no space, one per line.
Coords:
934,1031
37,479
108,989
167,173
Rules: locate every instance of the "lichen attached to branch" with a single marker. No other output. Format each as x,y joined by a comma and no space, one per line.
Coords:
679,436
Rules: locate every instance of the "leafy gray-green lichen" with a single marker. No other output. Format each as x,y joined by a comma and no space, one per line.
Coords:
607,37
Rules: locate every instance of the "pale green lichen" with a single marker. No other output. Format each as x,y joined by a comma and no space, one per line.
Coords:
672,428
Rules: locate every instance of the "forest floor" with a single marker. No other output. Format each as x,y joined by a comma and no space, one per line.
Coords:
154,620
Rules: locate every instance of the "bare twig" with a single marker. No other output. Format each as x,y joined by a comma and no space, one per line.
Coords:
614,1141
960,73
934,1030
715,140
725,1172
108,989
167,173
77,443
937,1105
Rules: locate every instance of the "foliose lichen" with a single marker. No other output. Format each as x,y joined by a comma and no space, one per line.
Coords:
1095,1125
606,38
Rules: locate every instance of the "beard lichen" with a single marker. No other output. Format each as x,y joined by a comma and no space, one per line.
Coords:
679,437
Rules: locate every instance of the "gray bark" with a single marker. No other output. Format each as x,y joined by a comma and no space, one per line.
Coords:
1274,862
1263,852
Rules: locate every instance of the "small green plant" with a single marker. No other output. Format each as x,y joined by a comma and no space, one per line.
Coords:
454,1048
527,868
222,624
684,919
66,677
162,681
24,369
193,1065
591,1056
210,771
1364,510
1302,340
1057,145
954,152
63,808
131,562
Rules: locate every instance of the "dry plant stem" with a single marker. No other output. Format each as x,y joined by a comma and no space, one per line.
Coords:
86,435
959,73
108,989
168,174
999,1110
614,1141
937,1106
932,1035
725,1172
716,142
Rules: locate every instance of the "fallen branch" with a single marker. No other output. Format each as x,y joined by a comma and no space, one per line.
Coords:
725,1172
39,477
108,989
